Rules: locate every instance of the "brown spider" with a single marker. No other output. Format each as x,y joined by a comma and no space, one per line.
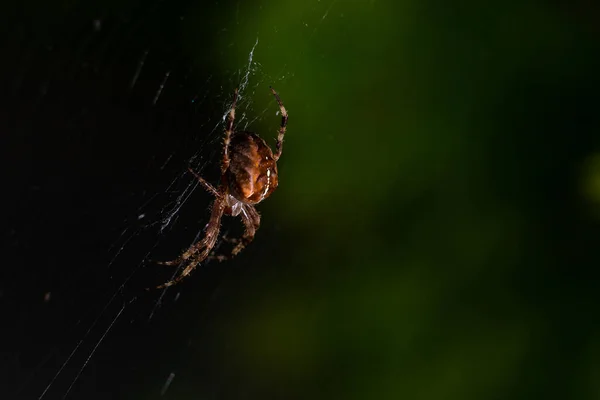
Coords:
248,176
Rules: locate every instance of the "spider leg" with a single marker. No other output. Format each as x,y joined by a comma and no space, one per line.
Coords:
199,251
282,128
190,252
213,255
176,261
210,188
228,133
228,239
251,220
186,271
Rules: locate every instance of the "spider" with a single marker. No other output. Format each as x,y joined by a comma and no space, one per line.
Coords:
248,176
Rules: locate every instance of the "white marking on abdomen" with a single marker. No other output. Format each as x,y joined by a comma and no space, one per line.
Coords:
268,182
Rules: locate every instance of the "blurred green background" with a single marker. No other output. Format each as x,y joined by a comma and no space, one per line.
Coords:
438,207
436,230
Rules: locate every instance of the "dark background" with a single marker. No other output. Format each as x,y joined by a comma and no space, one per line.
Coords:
435,233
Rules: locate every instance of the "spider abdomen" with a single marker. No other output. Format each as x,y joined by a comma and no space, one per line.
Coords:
252,174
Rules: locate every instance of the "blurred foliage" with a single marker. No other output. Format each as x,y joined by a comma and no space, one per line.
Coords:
438,243
438,203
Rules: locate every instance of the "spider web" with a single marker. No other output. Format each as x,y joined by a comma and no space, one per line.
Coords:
95,311
182,187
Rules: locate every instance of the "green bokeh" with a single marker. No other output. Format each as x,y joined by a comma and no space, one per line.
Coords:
437,218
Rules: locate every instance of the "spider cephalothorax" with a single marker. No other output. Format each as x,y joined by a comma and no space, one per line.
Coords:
248,176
